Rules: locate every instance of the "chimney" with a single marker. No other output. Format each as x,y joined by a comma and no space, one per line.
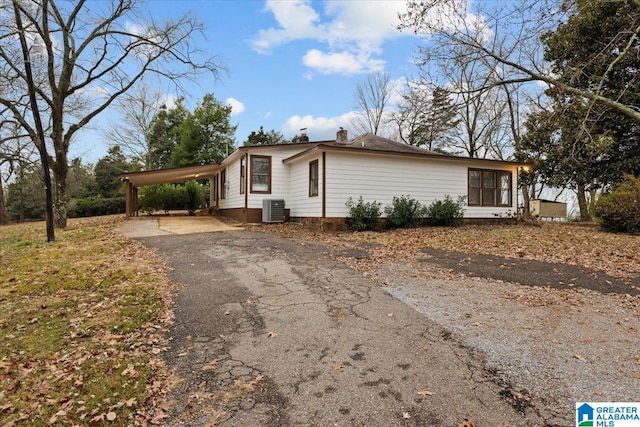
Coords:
341,136
303,135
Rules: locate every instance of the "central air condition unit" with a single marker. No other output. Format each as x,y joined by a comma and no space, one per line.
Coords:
272,210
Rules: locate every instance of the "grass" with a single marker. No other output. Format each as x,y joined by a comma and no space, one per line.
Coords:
81,323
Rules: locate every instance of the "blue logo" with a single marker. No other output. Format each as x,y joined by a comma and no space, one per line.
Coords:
585,415
607,414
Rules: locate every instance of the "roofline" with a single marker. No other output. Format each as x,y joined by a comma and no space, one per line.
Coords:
324,147
180,174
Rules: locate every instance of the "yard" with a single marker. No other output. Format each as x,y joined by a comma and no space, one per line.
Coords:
82,320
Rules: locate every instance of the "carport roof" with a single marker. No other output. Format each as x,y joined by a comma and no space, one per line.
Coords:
165,176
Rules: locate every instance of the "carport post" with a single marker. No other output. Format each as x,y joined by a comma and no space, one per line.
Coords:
131,200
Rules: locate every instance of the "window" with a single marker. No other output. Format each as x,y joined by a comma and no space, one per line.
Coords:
313,178
243,172
223,184
260,174
489,188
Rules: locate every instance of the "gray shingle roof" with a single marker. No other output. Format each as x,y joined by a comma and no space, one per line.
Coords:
377,143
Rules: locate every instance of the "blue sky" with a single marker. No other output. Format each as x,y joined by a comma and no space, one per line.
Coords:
291,64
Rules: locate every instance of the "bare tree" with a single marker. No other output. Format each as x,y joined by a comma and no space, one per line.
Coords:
371,99
426,118
508,33
16,151
93,54
131,133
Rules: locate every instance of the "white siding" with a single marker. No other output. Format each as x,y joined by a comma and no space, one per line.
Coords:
300,203
380,178
234,199
280,175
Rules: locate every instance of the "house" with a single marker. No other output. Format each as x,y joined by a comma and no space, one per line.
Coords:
315,179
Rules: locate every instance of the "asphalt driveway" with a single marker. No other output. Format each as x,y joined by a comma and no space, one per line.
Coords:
270,332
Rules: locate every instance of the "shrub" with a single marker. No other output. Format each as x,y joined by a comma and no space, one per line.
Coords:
619,210
404,212
446,212
363,216
194,196
96,206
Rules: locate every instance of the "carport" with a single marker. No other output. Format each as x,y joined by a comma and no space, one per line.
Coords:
135,180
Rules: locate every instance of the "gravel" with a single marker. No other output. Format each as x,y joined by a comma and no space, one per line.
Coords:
553,346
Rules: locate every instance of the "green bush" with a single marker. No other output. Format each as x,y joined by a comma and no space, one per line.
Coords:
619,210
194,196
96,206
404,212
168,197
363,216
446,212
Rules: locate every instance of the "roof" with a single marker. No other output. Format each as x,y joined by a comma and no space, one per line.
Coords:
373,144
377,143
140,179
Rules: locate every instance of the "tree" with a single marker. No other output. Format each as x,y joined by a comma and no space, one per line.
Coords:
588,51
107,173
92,54
166,133
15,152
371,100
265,138
25,196
426,119
509,35
82,181
132,132
207,135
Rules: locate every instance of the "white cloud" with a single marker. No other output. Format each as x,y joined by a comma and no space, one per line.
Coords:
168,100
318,128
342,62
237,107
353,32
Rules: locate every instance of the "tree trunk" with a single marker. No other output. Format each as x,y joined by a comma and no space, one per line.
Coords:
4,217
60,207
526,211
582,203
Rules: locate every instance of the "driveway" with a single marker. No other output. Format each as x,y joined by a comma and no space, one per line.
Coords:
275,332
146,226
270,332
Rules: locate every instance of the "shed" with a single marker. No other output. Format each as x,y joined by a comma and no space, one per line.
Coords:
548,209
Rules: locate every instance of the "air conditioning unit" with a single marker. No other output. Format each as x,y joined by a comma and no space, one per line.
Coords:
272,210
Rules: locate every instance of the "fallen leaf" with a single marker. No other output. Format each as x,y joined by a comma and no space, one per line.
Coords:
338,367
211,365
580,358
467,423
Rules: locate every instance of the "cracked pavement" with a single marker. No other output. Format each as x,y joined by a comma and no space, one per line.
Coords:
270,332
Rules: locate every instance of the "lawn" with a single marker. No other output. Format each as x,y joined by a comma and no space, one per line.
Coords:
81,326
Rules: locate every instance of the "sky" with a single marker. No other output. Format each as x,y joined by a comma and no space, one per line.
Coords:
291,64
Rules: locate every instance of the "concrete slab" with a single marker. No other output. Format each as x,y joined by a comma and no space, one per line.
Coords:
161,226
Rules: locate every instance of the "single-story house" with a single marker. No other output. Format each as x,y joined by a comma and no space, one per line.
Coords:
314,180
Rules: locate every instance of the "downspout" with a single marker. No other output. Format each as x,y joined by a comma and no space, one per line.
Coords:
246,186
324,185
